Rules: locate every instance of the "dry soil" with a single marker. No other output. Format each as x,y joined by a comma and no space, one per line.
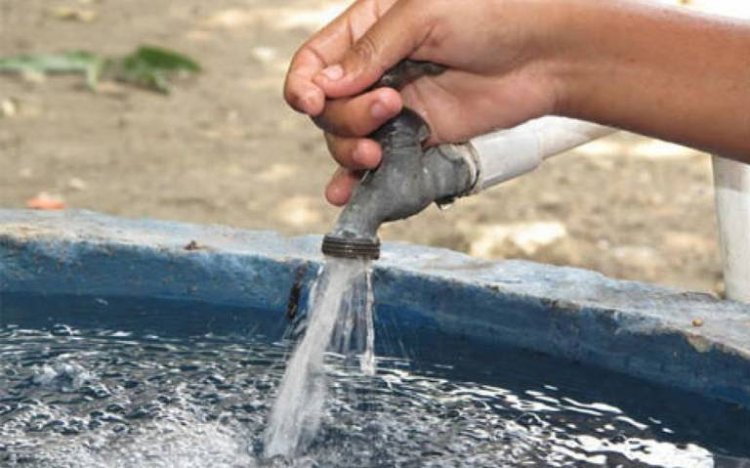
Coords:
223,148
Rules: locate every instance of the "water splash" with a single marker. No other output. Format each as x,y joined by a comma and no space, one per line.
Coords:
340,320
368,356
123,397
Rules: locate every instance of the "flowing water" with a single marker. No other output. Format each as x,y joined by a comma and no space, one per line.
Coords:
340,316
107,382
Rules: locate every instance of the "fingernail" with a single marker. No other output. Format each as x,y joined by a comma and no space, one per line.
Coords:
378,111
333,73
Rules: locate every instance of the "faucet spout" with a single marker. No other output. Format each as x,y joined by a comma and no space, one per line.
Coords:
407,181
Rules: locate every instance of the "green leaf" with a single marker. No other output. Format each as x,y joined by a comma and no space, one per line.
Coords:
65,62
150,67
76,61
164,59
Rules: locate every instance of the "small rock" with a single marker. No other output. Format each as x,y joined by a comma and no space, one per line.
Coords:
527,238
697,322
299,211
264,54
278,172
73,14
33,77
550,201
77,184
8,108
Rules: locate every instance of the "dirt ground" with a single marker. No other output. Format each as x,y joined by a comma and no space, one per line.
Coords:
223,148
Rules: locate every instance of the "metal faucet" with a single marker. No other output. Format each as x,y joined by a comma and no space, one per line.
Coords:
407,180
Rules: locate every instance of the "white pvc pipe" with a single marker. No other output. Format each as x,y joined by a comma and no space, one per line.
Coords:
732,188
507,154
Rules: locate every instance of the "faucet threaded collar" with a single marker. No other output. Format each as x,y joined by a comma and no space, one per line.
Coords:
351,248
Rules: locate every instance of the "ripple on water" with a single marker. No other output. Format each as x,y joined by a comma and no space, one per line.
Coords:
91,398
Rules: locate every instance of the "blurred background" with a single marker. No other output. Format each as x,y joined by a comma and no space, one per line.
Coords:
223,148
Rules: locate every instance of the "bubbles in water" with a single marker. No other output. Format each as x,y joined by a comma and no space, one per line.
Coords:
108,398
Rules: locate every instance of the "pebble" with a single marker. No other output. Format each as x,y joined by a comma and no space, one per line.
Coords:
8,108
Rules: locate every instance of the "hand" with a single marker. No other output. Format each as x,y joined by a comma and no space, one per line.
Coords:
498,74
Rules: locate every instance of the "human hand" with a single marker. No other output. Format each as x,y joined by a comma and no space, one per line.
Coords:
498,74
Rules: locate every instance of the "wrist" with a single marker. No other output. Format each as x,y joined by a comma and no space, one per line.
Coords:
555,37
566,39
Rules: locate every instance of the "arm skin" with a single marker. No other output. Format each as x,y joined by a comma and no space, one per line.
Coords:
659,71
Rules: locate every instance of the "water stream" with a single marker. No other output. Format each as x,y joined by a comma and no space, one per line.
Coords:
340,320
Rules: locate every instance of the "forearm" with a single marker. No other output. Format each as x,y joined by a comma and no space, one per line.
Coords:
656,71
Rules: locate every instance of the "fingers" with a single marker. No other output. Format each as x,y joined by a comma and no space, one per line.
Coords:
361,115
326,47
339,189
346,122
342,60
395,36
354,153
299,90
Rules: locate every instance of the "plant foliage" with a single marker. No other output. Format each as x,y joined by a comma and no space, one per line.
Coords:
147,67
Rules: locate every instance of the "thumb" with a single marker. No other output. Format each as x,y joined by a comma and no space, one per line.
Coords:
395,36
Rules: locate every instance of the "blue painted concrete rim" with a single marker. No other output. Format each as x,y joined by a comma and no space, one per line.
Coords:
635,328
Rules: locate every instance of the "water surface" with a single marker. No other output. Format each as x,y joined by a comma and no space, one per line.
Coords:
115,382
